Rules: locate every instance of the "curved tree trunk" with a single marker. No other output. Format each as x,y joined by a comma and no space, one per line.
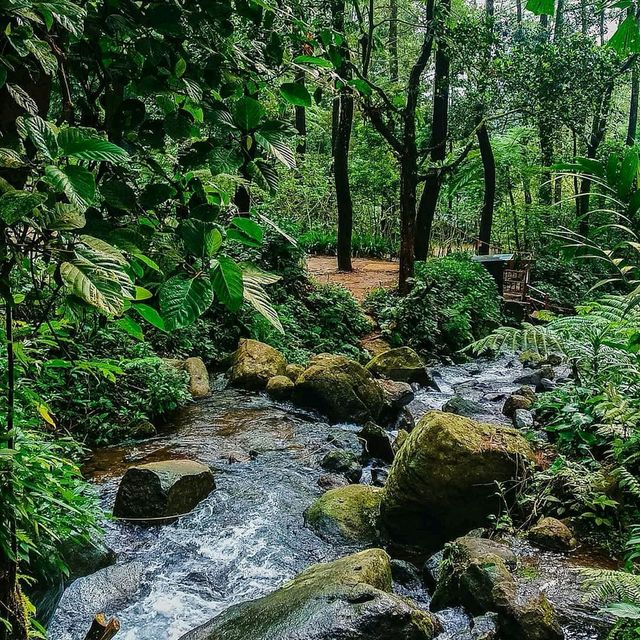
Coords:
439,131
489,167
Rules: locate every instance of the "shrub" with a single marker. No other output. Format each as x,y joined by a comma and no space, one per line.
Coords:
564,281
316,318
101,401
453,301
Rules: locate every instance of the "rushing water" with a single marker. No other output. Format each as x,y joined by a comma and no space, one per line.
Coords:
248,536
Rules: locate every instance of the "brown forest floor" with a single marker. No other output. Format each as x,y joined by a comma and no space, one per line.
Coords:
367,274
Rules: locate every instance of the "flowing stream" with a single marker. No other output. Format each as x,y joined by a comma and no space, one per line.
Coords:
248,536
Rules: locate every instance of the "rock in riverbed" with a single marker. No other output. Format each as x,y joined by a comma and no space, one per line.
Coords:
550,533
159,492
254,364
347,599
442,482
476,573
346,514
340,388
402,365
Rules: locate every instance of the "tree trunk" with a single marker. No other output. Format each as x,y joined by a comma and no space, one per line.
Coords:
301,119
438,143
598,129
343,120
519,11
408,185
393,41
559,26
633,106
341,176
546,152
489,167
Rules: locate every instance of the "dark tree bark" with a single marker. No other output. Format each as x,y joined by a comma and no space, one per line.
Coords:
393,41
301,119
489,168
242,200
343,121
633,106
559,26
519,11
438,143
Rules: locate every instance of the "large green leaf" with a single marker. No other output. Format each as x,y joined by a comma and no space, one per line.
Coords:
119,194
42,136
541,7
10,159
226,278
246,231
273,137
86,144
201,239
17,205
626,39
247,113
76,182
257,297
150,315
296,94
314,61
183,300
64,217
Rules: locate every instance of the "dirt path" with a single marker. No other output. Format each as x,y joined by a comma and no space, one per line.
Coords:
367,274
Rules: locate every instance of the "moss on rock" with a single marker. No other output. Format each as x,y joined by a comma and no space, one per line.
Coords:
442,481
254,364
346,514
347,598
402,365
340,388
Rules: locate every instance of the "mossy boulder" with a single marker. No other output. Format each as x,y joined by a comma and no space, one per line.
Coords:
476,573
402,365
348,599
346,514
280,387
159,492
344,463
340,388
551,533
198,377
442,481
254,364
293,371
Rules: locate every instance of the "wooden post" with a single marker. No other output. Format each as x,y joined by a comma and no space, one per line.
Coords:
101,629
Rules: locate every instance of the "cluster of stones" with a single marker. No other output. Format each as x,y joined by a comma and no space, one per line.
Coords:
441,485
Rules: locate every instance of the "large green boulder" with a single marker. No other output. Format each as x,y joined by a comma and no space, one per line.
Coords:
254,364
340,388
348,599
346,514
443,480
159,492
476,573
402,365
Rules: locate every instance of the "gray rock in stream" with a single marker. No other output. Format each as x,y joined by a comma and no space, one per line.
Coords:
162,491
105,591
348,599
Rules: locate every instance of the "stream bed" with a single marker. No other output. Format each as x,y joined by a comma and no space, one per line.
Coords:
248,537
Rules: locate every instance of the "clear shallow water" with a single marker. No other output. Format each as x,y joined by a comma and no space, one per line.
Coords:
248,536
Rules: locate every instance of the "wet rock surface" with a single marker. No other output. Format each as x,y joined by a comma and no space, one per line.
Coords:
248,538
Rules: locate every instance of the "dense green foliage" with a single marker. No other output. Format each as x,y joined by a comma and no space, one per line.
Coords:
453,301
165,166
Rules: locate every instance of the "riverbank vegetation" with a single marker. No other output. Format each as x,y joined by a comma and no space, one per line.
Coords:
166,168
